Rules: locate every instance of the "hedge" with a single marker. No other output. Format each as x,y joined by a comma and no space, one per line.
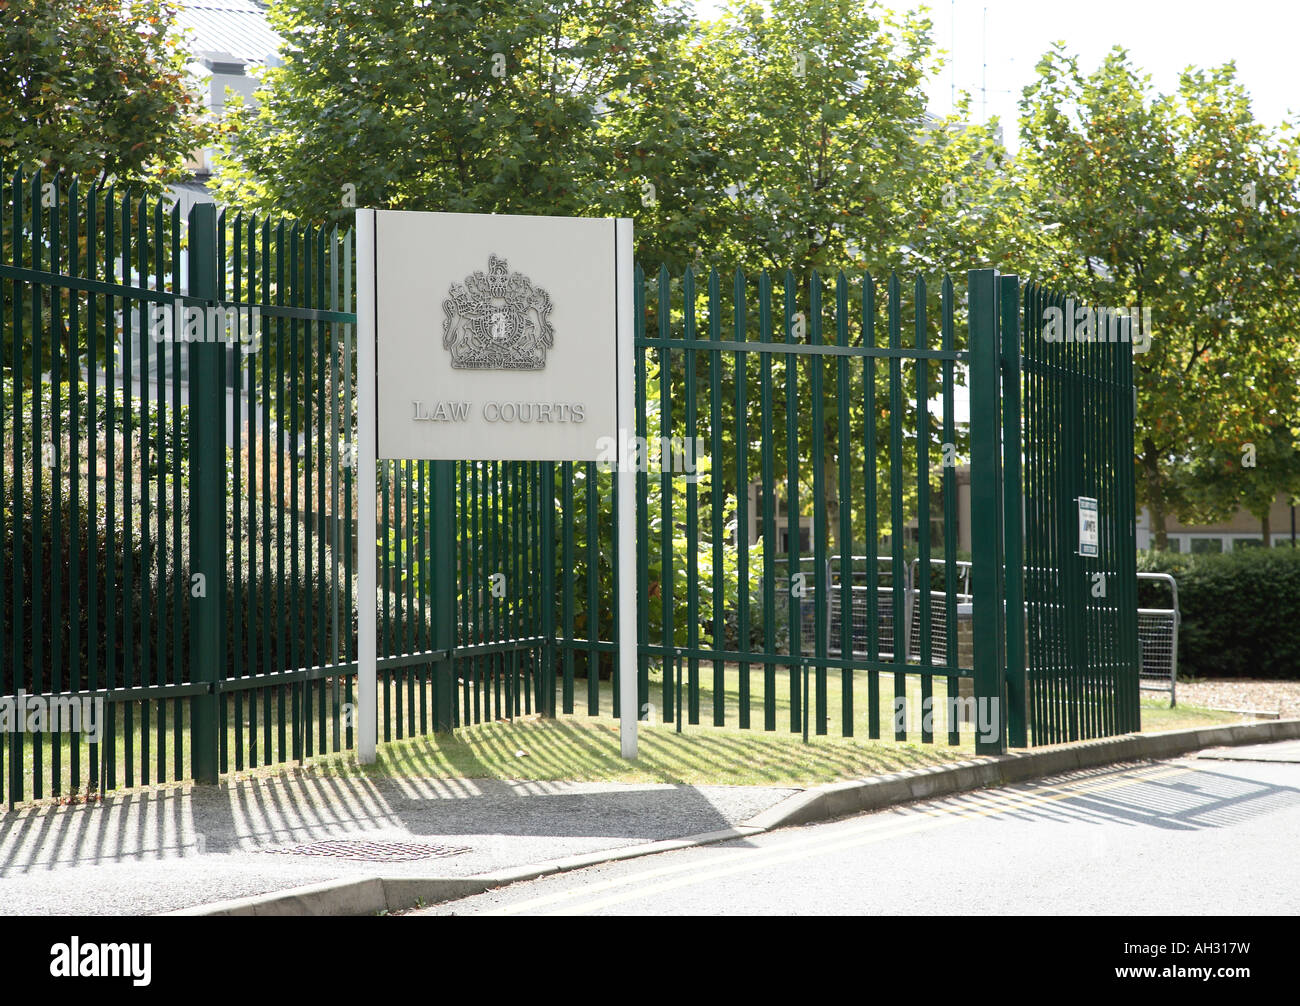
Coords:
1240,611
151,603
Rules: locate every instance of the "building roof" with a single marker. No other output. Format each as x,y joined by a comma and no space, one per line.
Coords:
237,27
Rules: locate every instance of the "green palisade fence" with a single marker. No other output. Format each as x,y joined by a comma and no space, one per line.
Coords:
179,526
823,421
1081,661
177,542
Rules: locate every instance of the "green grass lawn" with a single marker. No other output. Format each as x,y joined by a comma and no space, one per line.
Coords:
586,748
1157,716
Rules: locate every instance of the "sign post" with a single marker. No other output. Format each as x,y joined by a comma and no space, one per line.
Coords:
493,337
629,697
367,707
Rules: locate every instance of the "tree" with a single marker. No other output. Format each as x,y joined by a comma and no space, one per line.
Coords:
1184,206
786,135
1249,477
96,89
452,107
793,135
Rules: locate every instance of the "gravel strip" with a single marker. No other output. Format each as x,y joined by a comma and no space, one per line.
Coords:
1243,693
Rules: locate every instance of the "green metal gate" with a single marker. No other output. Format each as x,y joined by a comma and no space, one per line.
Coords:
846,422
1081,611
179,524
817,401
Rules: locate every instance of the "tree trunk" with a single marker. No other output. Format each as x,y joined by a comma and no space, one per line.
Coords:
831,501
1264,528
836,547
1155,497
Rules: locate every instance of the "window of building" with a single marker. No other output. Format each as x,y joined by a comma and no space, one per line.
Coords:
1201,546
783,540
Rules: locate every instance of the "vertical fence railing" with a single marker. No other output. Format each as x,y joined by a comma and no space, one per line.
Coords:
986,511
1081,658
177,551
800,482
282,687
1013,512
178,539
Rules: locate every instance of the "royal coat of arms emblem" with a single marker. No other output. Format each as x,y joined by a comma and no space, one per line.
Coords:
497,321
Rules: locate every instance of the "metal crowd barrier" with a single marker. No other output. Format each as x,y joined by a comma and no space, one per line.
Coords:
1158,641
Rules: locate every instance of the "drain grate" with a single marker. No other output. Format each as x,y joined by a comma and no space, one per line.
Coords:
372,852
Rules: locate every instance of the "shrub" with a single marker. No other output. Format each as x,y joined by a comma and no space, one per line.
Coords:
1239,611
151,607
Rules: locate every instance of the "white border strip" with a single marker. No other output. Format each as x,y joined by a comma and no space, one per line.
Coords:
367,718
628,699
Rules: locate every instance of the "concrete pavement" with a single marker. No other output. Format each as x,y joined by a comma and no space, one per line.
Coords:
1287,751
158,851
303,843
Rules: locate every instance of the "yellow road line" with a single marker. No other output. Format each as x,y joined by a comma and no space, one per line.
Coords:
933,820
982,804
1009,801
997,803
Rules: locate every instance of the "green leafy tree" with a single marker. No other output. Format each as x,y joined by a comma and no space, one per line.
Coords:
785,135
1185,206
96,89
793,135
452,107
1250,477
790,137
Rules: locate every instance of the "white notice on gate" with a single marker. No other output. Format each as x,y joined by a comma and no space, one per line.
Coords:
1088,536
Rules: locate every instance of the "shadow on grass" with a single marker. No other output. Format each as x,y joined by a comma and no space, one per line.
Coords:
583,749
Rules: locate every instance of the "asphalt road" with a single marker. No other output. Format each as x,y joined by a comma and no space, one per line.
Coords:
1211,834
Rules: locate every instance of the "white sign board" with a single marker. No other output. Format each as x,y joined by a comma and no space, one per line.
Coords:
487,337
499,336
1088,536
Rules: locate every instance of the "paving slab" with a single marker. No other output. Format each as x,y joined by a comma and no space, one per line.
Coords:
1286,751
163,850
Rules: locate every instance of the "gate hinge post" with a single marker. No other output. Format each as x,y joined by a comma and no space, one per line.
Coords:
986,517
207,463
